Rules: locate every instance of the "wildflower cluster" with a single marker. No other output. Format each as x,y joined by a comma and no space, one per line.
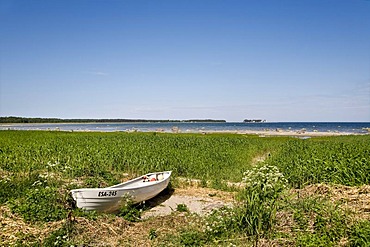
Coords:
52,165
60,240
267,180
221,221
43,179
40,182
56,166
5,179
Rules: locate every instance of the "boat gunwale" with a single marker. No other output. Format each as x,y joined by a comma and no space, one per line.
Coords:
118,187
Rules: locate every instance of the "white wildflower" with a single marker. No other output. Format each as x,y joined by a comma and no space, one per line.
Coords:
36,183
268,177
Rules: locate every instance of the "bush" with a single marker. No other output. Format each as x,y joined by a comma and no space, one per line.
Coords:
264,186
256,214
265,180
152,234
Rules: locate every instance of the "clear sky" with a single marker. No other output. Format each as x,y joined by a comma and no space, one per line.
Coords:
285,60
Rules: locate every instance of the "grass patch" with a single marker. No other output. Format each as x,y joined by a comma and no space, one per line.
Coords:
42,204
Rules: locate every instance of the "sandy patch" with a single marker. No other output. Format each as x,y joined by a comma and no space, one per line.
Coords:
197,200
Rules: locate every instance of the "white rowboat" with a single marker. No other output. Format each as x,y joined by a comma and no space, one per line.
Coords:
108,199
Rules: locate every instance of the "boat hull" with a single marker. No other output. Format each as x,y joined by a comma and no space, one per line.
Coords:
109,199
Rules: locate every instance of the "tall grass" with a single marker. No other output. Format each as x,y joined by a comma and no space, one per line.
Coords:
93,154
340,160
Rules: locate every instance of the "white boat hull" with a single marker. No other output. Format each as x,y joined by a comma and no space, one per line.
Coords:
109,199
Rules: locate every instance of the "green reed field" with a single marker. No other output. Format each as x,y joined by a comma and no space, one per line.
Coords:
38,168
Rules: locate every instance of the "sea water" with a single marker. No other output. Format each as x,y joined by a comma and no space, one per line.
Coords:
194,127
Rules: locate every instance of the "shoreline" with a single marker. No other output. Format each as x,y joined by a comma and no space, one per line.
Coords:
292,133
300,130
261,133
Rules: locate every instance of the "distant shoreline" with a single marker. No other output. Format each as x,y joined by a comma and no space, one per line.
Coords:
22,120
298,129
290,133
100,127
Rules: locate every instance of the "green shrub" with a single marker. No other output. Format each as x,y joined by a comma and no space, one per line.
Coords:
14,186
255,215
267,181
264,186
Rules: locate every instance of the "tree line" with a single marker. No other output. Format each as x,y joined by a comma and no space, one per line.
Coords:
12,119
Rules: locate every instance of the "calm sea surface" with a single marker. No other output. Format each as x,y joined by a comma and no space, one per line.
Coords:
347,127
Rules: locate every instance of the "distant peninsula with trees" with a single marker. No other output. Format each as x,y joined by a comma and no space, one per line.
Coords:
12,119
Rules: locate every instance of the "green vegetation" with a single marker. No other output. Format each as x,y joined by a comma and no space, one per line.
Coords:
38,168
360,234
182,208
129,211
340,160
105,156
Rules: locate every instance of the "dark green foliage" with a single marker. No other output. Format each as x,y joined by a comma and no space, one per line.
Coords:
182,208
13,119
152,234
359,235
129,211
14,185
40,204
192,238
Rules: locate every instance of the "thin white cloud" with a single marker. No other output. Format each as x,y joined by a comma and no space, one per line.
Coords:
97,73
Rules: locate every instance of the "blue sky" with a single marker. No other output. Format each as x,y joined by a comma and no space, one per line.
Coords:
285,60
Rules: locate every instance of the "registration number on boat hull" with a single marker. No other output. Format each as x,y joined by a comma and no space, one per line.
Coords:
107,193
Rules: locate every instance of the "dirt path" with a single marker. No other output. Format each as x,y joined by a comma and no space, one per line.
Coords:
196,200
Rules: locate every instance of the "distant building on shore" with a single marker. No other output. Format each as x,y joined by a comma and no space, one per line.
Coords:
254,121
